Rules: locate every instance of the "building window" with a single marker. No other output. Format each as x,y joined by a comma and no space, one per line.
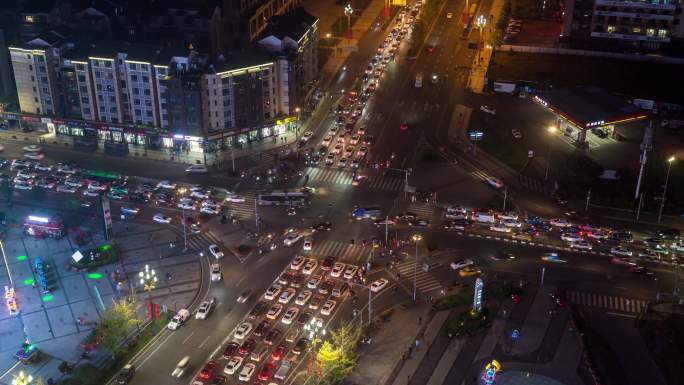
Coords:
662,33
611,29
28,19
650,31
107,64
99,87
146,91
80,67
134,78
98,74
83,89
636,30
138,112
132,66
136,91
33,78
81,78
136,102
84,100
146,79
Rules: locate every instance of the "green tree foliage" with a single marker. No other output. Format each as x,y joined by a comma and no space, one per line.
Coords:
337,357
89,374
115,324
6,190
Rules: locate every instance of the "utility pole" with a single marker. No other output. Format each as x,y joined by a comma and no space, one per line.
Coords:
256,216
646,146
505,197
586,206
667,179
386,229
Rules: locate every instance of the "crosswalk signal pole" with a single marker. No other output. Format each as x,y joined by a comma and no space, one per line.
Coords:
185,233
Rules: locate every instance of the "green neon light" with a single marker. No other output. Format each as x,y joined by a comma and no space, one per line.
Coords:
94,276
105,247
28,281
48,298
21,258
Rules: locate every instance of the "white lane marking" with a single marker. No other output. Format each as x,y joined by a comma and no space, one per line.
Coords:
154,351
188,337
203,342
622,315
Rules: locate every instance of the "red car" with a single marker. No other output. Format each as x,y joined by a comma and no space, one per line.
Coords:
279,352
208,370
247,347
404,126
430,48
515,298
230,350
265,373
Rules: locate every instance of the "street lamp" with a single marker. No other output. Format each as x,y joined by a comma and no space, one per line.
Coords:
148,280
415,238
550,130
667,179
316,334
298,111
480,22
348,10
22,379
182,191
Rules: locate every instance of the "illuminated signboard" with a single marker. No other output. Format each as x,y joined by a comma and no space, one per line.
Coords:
477,296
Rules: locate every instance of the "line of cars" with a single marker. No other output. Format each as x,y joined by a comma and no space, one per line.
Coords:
273,338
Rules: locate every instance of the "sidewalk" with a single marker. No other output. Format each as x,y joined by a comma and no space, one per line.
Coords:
535,325
476,81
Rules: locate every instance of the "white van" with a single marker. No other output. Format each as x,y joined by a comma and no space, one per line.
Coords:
483,217
283,370
196,169
179,319
181,367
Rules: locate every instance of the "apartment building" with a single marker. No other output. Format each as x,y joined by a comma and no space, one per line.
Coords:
612,24
245,20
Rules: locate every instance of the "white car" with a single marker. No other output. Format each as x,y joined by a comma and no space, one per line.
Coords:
179,319
247,372
314,281
597,235
286,295
292,238
34,155
210,210
328,307
582,245
186,206
290,315
494,182
500,228
307,135
516,133
310,266
43,167
234,198
337,269
165,184
65,169
216,251
274,311
161,218
243,330
326,141
233,364
308,244
129,210
511,223
216,274
66,189
32,148
97,186
350,271
621,251
678,246
196,169
461,263
23,186
200,194
273,292
560,222
297,263
378,285
571,237
204,309
91,193
488,110
303,297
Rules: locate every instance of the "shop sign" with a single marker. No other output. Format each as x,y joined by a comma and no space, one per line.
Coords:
58,121
46,120
9,116
30,118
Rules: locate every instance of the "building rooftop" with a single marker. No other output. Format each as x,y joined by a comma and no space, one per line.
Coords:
134,51
293,24
587,105
241,59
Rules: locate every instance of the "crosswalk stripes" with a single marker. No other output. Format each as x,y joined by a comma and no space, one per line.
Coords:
344,251
425,282
532,183
242,210
621,304
379,182
423,210
202,241
328,175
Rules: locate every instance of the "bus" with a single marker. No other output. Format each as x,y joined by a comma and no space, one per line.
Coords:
104,176
283,198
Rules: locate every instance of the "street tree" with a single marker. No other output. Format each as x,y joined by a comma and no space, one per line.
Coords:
337,357
6,190
115,324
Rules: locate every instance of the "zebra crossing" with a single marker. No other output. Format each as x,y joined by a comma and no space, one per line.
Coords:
604,301
422,210
533,184
425,282
329,175
379,182
242,210
344,251
202,241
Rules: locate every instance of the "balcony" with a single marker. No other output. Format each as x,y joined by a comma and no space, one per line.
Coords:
636,15
636,5
621,36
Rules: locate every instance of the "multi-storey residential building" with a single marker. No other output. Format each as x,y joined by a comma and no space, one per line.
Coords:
623,24
245,20
293,40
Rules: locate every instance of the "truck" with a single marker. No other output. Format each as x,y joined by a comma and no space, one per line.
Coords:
360,213
283,370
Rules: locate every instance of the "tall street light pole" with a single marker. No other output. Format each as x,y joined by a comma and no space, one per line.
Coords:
298,111
415,238
182,191
148,280
480,22
667,179
550,130
348,10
